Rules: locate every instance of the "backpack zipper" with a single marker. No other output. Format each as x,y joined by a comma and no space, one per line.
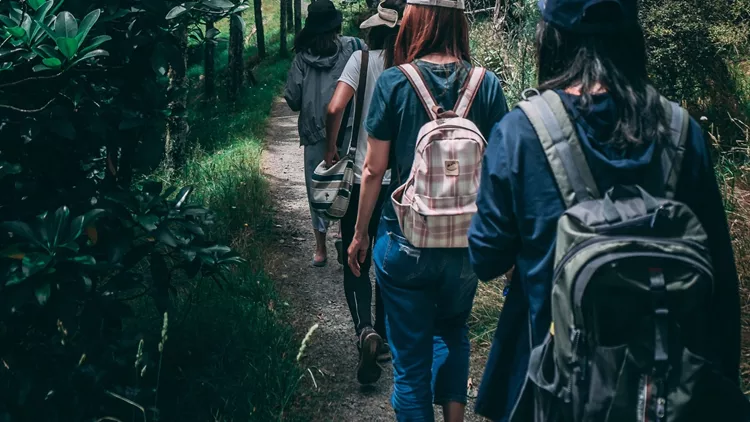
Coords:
586,243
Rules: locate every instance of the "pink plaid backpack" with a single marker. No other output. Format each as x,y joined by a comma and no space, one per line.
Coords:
435,205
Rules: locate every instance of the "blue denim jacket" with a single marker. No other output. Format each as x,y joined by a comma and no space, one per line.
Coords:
519,205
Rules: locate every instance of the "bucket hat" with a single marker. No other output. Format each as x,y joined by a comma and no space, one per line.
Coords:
451,4
322,17
590,16
384,17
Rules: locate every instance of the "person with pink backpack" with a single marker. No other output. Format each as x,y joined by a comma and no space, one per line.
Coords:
427,122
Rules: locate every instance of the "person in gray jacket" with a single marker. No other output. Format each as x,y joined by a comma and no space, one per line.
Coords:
321,56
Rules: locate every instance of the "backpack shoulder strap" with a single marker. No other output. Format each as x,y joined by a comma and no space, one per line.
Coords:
561,145
360,102
417,81
469,91
672,154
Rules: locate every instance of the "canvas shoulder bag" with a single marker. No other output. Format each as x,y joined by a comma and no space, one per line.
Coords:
332,186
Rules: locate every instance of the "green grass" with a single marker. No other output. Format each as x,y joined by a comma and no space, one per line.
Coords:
230,354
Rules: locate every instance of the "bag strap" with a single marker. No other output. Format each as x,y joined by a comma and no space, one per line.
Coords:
361,88
417,81
469,91
671,155
561,145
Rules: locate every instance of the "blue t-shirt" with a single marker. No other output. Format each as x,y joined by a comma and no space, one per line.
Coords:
396,113
518,208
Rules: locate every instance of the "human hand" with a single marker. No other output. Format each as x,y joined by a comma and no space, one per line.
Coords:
332,157
357,252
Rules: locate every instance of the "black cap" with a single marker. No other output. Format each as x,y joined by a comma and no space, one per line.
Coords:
322,17
590,16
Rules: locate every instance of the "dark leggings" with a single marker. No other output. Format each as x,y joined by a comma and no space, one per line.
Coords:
359,289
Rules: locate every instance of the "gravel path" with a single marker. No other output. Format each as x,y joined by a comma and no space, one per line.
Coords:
330,391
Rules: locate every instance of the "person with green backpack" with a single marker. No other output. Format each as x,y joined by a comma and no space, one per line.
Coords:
624,303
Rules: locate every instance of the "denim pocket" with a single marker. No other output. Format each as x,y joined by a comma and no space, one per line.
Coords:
401,261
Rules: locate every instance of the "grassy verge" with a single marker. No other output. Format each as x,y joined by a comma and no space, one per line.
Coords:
230,355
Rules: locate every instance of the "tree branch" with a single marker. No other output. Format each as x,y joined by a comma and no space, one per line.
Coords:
21,110
37,78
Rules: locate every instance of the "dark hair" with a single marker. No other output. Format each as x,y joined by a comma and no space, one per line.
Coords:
431,29
616,62
324,45
384,38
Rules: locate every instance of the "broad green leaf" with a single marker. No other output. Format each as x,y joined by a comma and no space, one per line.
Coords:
39,18
26,25
17,32
176,11
42,12
147,221
42,293
8,21
58,226
52,62
165,236
95,42
22,231
46,25
83,221
218,4
182,196
34,262
66,25
83,260
35,4
48,51
212,33
86,24
8,168
41,68
68,46
91,55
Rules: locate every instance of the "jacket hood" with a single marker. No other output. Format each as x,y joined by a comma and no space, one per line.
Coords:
597,123
320,62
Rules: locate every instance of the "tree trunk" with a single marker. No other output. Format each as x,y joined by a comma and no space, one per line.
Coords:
289,16
297,16
177,147
259,28
283,29
209,65
236,50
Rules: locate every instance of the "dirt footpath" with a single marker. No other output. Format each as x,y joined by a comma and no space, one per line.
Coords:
329,389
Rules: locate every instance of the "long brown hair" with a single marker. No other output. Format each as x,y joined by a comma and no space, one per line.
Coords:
430,29
618,63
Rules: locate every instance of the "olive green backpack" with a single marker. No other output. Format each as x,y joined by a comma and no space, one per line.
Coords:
631,297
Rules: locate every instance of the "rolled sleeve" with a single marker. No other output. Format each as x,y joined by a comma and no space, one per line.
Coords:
380,122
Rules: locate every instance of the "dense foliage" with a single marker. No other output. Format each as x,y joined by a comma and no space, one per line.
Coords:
86,94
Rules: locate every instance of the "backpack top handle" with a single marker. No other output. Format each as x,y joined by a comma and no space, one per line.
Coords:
467,94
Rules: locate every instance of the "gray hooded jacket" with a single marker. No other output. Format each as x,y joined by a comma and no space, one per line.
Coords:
310,85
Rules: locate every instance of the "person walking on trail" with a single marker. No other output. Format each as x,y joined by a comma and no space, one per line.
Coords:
381,39
321,56
427,291
620,133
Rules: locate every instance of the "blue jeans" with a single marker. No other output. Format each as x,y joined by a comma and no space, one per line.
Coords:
427,295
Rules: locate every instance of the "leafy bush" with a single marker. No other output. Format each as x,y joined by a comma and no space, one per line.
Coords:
84,93
690,45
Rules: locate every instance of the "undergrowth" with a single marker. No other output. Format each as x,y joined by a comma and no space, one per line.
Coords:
231,354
